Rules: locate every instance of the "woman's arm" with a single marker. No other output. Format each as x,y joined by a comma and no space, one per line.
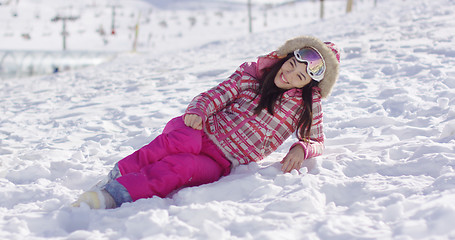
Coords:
302,150
215,99
193,121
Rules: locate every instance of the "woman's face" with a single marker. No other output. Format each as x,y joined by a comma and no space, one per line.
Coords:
292,74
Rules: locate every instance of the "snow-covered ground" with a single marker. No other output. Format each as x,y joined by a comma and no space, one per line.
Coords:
31,39
162,25
387,172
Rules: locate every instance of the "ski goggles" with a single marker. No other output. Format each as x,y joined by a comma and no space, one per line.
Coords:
313,59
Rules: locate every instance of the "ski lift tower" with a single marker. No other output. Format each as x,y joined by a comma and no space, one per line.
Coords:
113,6
64,19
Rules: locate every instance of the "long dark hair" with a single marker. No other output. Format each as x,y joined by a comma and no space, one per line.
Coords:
270,94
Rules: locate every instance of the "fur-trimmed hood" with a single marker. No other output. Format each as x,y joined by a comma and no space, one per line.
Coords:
328,50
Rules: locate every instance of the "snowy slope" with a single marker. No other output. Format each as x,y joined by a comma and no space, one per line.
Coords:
162,25
387,172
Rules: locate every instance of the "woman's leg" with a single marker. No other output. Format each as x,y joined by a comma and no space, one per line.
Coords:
139,175
169,174
176,138
209,149
112,175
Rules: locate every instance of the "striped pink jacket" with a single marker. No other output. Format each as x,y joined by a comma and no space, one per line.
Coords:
227,111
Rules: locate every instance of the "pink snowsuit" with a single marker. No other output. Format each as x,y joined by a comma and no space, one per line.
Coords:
179,157
232,134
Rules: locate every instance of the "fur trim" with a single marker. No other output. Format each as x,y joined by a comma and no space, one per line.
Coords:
332,64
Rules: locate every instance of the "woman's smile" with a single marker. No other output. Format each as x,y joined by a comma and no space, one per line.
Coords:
292,74
284,79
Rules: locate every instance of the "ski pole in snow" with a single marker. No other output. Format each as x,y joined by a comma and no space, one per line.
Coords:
136,29
249,17
322,9
349,6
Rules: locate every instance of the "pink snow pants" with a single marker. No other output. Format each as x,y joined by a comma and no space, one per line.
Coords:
180,157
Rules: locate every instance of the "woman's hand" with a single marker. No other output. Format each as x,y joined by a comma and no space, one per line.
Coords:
193,121
294,159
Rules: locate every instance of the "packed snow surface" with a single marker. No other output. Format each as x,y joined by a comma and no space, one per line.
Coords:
387,171
161,25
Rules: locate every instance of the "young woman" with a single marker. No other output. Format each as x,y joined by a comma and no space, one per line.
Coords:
243,119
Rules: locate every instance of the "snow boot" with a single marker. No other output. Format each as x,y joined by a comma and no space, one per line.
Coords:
98,199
